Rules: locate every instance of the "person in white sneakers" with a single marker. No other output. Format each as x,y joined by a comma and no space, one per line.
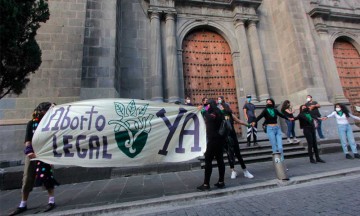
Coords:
342,114
232,146
288,111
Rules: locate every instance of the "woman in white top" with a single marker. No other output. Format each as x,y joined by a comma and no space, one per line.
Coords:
342,114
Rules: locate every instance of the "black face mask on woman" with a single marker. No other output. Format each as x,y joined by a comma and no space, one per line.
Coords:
269,106
306,110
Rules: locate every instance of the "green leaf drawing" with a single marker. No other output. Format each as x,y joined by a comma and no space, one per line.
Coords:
131,109
141,110
120,109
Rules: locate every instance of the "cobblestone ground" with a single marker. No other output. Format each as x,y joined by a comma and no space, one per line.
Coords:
328,197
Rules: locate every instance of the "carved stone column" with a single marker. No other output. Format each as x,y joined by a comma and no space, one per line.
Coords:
245,61
155,57
172,74
258,63
332,78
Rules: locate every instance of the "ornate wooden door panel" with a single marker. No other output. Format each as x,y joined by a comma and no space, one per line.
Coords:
347,60
208,69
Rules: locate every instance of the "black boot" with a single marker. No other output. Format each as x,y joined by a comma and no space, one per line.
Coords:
319,160
248,144
312,160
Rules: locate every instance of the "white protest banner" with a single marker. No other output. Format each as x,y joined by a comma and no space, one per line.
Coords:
119,133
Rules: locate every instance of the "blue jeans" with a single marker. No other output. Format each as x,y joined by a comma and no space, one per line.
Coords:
275,138
345,131
319,130
290,129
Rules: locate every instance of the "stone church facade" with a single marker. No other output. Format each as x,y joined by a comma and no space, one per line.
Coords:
164,50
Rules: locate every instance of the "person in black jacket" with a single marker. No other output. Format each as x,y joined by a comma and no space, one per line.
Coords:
307,120
232,143
214,145
273,130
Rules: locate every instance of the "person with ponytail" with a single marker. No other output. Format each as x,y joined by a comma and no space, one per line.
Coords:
307,123
273,130
341,113
36,173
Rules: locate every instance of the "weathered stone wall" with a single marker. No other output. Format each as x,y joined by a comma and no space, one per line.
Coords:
58,78
133,32
98,66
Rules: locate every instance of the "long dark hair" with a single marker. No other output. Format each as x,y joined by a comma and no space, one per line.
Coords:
213,107
300,108
285,106
344,109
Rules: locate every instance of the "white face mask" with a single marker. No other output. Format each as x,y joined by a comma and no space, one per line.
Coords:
308,99
219,101
338,109
188,101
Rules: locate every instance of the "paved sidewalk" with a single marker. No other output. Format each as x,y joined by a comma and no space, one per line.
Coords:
138,191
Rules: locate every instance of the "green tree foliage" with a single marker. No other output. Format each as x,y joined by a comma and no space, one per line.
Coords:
20,54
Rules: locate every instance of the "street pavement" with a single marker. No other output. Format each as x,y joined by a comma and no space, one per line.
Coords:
336,196
116,195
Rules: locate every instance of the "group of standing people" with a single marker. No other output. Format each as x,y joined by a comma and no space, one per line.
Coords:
309,117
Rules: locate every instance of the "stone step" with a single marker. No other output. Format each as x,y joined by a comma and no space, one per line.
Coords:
262,158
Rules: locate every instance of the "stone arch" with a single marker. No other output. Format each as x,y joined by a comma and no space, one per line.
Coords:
347,61
350,37
211,25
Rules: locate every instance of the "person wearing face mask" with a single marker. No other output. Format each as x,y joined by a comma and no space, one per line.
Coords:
232,143
188,101
250,116
314,110
214,145
306,119
341,113
204,105
273,130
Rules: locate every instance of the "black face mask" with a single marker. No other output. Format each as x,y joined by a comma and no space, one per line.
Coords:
306,110
269,106
206,104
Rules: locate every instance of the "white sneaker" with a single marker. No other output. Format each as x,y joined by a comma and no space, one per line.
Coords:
296,140
247,174
233,175
289,140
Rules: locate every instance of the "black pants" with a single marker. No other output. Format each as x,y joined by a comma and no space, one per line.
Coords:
214,149
310,135
233,149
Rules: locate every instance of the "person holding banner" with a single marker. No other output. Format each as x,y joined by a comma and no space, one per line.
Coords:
232,144
214,145
36,172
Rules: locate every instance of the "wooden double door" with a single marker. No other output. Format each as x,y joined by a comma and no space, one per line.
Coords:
208,69
347,60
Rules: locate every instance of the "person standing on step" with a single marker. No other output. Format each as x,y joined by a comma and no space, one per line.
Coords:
250,116
188,101
307,119
273,130
232,144
341,113
214,145
314,110
288,111
36,172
